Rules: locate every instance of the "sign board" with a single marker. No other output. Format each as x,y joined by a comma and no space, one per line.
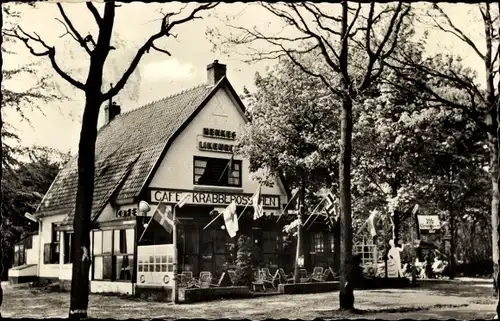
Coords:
155,265
219,134
170,196
392,269
428,222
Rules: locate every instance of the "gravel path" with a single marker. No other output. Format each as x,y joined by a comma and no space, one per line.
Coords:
387,304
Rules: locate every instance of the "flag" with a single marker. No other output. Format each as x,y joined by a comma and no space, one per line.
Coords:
294,201
164,216
258,210
184,199
330,205
231,219
331,214
371,223
230,165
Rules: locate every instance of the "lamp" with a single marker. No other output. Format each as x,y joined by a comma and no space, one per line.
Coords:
144,207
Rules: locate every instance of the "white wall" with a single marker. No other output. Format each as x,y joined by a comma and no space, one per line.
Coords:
48,270
108,213
65,271
176,169
32,254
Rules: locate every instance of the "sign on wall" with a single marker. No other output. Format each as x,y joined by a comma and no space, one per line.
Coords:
218,134
211,198
155,265
127,211
428,223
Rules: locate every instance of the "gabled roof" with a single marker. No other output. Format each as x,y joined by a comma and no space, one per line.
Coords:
129,149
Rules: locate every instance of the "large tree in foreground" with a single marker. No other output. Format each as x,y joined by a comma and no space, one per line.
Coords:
97,47
330,32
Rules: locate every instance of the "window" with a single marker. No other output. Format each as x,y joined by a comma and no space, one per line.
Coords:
19,255
158,263
113,252
68,247
271,242
331,241
50,253
318,243
51,250
216,172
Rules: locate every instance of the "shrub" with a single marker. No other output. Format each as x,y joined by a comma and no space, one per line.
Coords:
244,271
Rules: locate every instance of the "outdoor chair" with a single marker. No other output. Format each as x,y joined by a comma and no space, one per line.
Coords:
283,277
205,279
258,283
333,274
186,279
267,277
317,274
304,277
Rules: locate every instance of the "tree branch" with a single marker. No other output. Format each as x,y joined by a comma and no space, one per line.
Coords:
160,50
49,51
165,29
94,12
76,34
456,31
392,31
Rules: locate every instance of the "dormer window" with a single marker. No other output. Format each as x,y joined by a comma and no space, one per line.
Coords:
216,172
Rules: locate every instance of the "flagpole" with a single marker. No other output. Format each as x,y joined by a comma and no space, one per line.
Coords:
283,212
260,185
362,226
143,232
232,156
174,240
324,198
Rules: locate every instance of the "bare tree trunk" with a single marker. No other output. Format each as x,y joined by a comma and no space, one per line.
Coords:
336,247
346,294
300,235
452,261
1,158
84,198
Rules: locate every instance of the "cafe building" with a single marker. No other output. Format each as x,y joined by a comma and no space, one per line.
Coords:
162,151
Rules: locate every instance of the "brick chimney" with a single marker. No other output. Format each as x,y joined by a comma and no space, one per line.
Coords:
215,71
110,112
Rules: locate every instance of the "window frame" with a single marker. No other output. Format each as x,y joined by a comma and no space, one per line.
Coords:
237,165
68,247
318,242
55,246
113,255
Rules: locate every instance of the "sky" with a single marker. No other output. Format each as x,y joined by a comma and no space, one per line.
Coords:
57,124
